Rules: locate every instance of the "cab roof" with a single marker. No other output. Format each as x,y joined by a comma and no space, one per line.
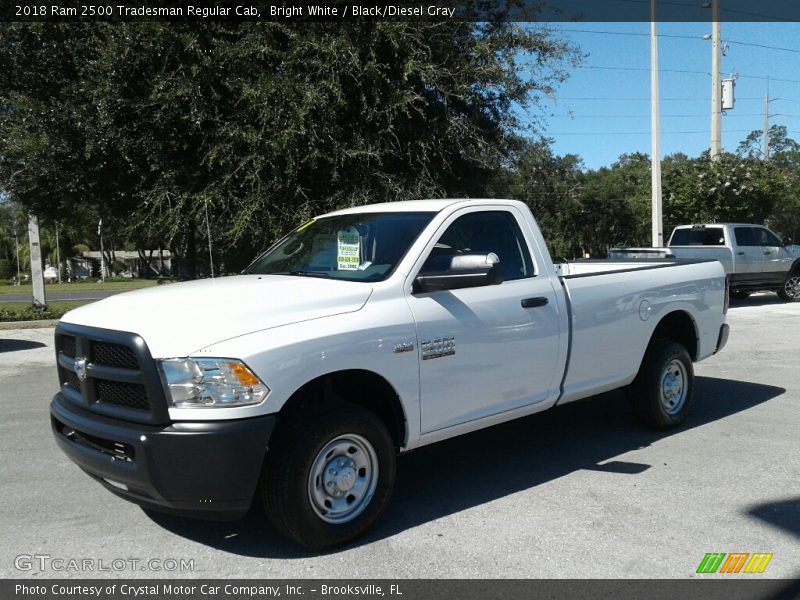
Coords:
432,205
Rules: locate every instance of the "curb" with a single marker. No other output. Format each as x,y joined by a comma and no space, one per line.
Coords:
28,324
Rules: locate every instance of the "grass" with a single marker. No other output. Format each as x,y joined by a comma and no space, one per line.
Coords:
24,311
133,284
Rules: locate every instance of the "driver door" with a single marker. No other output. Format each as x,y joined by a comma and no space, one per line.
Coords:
490,349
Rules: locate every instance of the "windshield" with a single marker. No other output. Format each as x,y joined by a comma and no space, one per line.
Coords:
354,247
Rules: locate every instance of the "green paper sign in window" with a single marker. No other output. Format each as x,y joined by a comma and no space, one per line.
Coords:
348,249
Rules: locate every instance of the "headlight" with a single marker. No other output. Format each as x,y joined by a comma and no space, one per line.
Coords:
210,382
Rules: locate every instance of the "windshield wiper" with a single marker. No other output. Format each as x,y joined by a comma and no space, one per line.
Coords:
300,273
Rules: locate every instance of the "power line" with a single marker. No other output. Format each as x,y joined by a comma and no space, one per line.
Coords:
620,98
632,33
705,131
693,99
692,72
648,116
754,14
769,78
603,68
722,9
754,45
681,37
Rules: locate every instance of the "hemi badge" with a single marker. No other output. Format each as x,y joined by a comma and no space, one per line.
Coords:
403,347
438,348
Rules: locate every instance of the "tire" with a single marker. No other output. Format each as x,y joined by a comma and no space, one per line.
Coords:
790,291
328,475
663,390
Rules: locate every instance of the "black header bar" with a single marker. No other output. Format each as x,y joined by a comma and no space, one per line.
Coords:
401,10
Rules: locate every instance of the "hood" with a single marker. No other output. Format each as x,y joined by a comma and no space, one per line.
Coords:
181,318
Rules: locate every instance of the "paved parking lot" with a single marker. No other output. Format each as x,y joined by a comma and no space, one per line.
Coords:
579,491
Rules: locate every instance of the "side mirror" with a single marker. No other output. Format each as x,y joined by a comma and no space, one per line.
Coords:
463,271
787,241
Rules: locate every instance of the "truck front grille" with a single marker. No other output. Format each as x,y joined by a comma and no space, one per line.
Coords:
110,373
68,345
132,395
71,379
114,355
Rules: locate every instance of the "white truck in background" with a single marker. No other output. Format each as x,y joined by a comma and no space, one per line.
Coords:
754,258
362,334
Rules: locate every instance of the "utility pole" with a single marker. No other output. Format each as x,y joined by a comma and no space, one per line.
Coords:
37,276
716,86
16,246
208,233
102,254
58,255
767,100
655,151
766,127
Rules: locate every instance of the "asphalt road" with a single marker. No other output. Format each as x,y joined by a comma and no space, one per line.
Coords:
577,492
52,297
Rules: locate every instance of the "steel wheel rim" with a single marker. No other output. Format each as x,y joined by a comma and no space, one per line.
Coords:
792,287
343,478
674,387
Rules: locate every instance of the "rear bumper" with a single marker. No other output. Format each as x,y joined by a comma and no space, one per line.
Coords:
204,469
723,337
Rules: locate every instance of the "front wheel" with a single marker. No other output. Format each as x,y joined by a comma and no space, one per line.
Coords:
328,476
663,389
790,292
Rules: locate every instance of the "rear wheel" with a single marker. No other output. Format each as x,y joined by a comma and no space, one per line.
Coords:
328,475
790,292
663,390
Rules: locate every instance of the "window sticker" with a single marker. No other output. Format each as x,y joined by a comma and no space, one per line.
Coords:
348,249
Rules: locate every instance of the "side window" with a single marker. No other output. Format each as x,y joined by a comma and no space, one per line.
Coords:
714,236
481,233
745,237
767,238
698,236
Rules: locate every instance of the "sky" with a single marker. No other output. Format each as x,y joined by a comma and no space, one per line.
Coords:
603,109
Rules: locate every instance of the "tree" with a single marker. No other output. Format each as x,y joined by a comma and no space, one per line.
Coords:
780,144
615,205
551,186
151,125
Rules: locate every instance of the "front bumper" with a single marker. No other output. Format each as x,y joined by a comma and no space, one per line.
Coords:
204,469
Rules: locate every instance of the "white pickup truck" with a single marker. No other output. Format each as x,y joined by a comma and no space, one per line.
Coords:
364,333
754,258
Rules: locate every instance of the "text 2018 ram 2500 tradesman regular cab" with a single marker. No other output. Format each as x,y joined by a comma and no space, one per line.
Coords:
364,333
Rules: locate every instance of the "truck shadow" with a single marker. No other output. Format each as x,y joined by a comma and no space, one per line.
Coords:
783,514
473,469
17,345
762,299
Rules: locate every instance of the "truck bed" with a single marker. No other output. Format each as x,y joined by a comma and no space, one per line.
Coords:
615,307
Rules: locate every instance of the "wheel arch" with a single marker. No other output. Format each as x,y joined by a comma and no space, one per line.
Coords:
679,326
360,387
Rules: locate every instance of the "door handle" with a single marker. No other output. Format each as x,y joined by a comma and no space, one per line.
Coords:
533,302
767,253
740,254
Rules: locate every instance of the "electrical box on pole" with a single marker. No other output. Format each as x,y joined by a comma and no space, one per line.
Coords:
728,96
